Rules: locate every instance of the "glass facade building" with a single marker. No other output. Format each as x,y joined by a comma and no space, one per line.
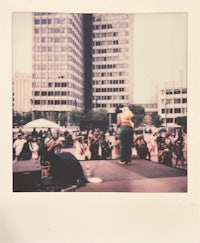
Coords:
80,59
57,76
112,59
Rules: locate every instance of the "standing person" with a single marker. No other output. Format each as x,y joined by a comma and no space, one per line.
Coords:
33,146
116,147
125,125
58,144
81,148
41,149
18,146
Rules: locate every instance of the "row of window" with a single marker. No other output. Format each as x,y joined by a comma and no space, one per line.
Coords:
111,17
97,90
59,30
107,105
110,26
172,111
59,66
174,91
51,21
109,34
169,120
110,74
150,106
110,66
57,93
110,50
56,58
113,42
58,40
67,49
54,75
174,101
56,85
61,21
109,97
112,58
57,102
115,81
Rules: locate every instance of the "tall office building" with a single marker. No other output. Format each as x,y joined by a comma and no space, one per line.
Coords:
112,70
81,61
57,77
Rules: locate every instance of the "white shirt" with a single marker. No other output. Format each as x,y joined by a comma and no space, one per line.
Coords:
18,146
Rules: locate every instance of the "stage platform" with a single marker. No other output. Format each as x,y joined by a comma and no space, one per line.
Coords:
140,176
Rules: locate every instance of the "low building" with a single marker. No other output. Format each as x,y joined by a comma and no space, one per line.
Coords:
172,104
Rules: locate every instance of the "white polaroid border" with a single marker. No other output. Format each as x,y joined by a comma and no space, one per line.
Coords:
99,217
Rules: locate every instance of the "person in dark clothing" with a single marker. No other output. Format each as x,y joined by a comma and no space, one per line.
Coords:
26,152
64,170
99,148
125,125
141,148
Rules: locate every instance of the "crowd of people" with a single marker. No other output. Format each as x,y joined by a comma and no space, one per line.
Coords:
95,144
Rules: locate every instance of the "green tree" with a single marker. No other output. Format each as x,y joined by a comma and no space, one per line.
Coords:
139,114
156,121
76,116
182,121
21,118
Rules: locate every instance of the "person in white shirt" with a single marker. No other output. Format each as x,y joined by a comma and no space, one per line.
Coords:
18,146
81,148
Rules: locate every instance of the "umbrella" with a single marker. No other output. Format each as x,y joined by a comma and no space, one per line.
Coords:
41,123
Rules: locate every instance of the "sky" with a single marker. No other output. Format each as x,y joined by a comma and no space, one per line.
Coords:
159,44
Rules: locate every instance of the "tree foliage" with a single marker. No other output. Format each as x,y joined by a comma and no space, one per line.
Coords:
139,114
21,118
156,121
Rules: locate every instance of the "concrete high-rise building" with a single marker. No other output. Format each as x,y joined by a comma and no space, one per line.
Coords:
81,61
57,76
22,92
112,60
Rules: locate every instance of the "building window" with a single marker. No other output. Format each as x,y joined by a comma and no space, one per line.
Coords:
57,93
37,93
184,91
169,111
43,21
37,102
57,102
177,91
50,93
43,102
57,84
44,93
169,120
184,100
63,102
50,102
169,91
37,21
177,110
177,101
36,31
168,101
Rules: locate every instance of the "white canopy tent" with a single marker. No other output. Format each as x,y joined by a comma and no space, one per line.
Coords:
41,123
